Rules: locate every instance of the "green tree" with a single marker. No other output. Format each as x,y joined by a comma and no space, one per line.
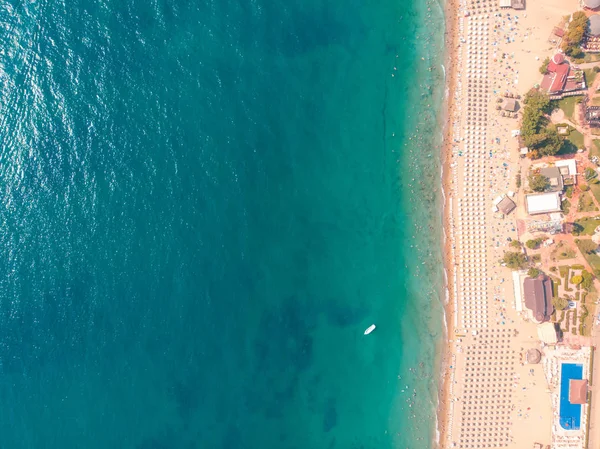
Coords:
514,260
534,243
538,183
574,34
515,244
569,192
577,229
544,66
536,105
560,303
587,281
551,142
533,272
590,174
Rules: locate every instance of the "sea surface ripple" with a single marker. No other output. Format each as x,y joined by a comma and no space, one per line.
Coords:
202,207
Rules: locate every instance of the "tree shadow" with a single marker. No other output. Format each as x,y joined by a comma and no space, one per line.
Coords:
567,147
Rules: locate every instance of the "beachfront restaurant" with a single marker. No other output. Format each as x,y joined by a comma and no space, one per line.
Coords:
543,203
537,293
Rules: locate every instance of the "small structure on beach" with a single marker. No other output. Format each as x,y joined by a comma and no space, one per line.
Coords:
558,32
533,356
506,205
543,203
538,297
578,391
510,105
514,4
556,36
547,333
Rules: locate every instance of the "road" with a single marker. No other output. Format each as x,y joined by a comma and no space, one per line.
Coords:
594,436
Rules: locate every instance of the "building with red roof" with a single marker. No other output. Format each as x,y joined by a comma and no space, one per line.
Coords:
558,78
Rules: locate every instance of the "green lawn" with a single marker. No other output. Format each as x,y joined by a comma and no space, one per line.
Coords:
568,106
591,57
595,189
576,138
589,225
590,75
586,203
588,321
593,259
562,252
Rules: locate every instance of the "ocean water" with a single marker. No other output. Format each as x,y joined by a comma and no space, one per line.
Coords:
202,207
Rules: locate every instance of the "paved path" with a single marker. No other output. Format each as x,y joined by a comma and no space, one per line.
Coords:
594,435
587,65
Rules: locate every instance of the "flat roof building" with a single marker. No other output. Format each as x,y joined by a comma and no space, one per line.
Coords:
570,165
554,177
543,203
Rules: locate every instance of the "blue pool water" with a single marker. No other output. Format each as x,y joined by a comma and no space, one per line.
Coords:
570,414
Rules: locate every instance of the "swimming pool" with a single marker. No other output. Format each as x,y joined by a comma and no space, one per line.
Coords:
570,414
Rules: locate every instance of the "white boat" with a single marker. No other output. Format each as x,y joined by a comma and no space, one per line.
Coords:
370,329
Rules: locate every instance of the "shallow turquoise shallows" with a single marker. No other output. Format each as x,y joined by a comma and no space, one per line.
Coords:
203,205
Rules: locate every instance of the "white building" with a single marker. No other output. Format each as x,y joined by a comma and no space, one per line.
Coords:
567,167
543,203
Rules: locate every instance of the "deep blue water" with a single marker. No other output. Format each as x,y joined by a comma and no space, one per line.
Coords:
203,205
570,414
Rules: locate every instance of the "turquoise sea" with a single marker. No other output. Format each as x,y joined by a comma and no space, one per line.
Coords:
202,207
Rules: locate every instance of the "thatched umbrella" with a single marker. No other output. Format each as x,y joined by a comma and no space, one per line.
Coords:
533,356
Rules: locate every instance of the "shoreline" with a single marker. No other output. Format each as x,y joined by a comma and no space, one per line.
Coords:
450,38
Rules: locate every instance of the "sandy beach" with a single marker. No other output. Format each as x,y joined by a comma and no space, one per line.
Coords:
491,52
